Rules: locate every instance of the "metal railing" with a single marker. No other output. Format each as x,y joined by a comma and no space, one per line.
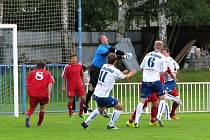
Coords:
194,95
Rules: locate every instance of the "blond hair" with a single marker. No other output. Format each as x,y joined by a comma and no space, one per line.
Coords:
158,45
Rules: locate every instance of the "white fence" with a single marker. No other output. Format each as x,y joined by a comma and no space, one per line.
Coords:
194,95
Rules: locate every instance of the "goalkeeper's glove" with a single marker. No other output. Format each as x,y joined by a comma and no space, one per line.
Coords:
127,55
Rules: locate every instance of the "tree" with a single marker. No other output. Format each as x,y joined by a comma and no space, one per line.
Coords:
147,13
162,21
1,21
64,20
189,12
123,8
1,12
98,14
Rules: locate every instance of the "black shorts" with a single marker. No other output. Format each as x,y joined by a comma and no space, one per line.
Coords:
94,74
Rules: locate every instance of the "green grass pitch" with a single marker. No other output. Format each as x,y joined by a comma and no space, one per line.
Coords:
58,126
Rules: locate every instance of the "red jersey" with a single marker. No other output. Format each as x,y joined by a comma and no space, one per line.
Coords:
38,81
73,74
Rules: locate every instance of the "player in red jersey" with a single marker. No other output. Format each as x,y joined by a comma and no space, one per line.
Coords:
74,76
39,86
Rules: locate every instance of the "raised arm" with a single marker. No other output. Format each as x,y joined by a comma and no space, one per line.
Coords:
130,74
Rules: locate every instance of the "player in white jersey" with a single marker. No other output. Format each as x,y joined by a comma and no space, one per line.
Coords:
108,75
170,83
153,65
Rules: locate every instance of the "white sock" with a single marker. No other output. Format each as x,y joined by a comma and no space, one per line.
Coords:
167,113
138,112
115,117
173,98
161,109
92,116
178,100
170,97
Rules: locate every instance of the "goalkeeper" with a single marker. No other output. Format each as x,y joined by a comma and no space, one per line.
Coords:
100,58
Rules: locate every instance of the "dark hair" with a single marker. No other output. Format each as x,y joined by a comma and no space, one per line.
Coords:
165,49
41,64
112,57
72,55
84,68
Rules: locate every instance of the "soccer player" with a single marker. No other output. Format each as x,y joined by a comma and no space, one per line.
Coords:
153,65
108,75
39,86
100,58
74,76
170,83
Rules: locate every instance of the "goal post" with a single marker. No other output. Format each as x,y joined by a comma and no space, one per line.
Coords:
13,27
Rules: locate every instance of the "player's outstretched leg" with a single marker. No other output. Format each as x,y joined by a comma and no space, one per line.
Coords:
114,118
90,118
161,109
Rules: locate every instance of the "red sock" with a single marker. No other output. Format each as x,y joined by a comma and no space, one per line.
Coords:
174,106
132,117
154,111
81,108
70,105
30,112
145,104
41,117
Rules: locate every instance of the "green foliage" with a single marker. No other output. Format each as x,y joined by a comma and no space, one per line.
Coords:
191,12
191,126
97,13
148,12
183,12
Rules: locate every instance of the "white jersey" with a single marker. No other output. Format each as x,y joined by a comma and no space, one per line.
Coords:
108,75
174,66
152,65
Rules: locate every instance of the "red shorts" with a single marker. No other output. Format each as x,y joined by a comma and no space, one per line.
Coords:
152,98
174,92
34,100
79,92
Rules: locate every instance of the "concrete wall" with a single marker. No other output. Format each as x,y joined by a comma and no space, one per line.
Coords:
48,46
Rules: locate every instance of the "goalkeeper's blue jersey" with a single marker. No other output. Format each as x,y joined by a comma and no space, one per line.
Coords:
98,59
